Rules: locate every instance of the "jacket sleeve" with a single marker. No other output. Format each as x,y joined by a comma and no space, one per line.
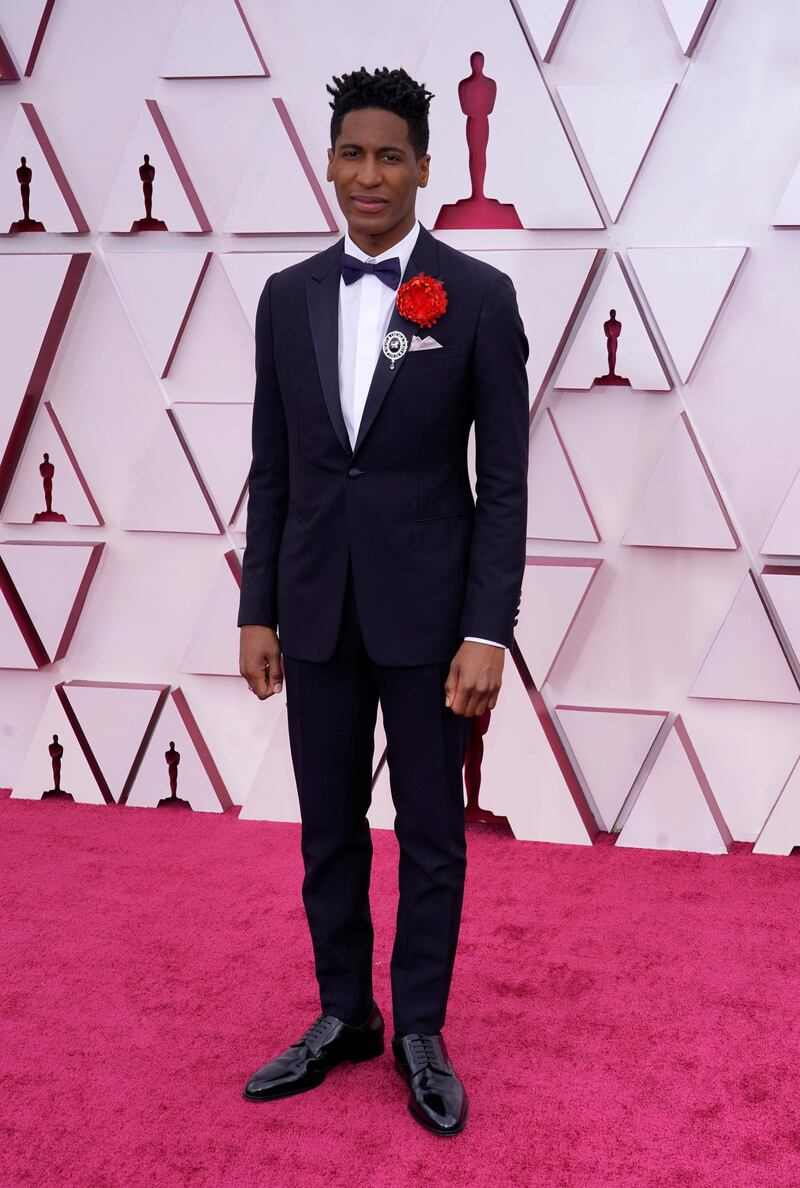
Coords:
267,482
501,408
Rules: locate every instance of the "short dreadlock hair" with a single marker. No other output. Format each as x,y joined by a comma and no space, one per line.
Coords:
393,90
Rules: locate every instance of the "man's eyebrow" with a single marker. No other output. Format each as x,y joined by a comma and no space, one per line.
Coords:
383,149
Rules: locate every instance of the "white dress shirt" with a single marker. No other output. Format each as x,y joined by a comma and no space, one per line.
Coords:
365,307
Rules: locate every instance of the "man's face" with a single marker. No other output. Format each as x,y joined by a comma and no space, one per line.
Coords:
375,172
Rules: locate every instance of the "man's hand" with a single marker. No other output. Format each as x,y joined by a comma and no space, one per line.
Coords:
474,680
260,660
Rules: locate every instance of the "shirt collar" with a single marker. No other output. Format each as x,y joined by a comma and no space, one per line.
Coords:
403,248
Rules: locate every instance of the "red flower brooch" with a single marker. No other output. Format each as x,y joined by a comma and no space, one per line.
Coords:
423,299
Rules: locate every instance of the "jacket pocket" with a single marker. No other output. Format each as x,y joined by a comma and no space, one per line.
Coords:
442,354
442,516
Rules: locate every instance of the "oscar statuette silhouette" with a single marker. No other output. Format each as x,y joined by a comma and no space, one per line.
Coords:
476,95
172,759
47,471
612,328
56,792
147,175
26,223
473,813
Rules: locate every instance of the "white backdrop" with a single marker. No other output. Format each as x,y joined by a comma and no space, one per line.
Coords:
649,148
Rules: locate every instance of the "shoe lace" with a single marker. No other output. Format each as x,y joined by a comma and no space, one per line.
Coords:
317,1032
424,1051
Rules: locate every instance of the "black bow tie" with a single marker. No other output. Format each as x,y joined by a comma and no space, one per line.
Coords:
386,270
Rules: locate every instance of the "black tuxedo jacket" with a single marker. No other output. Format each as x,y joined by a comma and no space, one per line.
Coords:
430,564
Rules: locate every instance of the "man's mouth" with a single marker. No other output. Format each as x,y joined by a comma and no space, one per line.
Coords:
368,204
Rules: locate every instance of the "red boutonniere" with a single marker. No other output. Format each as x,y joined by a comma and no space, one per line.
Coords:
423,299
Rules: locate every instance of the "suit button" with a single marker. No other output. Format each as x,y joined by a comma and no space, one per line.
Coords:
354,472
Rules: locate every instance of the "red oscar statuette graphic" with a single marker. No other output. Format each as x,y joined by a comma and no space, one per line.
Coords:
56,751
612,328
26,223
172,758
147,175
422,299
476,94
47,470
474,813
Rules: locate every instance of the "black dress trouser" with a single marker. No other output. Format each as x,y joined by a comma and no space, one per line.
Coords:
332,708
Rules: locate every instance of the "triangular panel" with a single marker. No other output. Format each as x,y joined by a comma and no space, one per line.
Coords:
70,495
587,358
616,123
545,21
279,192
212,39
158,290
529,165
24,26
36,773
681,506
20,646
676,808
116,720
214,645
168,496
746,749
52,580
8,67
224,471
273,793
610,746
745,661
557,505
553,592
551,286
248,272
176,744
37,293
688,19
781,831
686,288
175,201
783,538
52,202
525,775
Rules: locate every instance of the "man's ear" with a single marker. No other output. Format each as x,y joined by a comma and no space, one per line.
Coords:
424,162
330,163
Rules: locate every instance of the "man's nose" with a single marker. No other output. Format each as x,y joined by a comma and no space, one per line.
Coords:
369,174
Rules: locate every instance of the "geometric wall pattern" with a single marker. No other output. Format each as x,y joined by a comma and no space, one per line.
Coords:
615,125
653,690
212,39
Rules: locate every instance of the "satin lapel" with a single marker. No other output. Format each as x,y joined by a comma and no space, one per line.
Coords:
322,296
424,258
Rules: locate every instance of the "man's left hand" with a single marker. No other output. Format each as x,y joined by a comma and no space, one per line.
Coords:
474,680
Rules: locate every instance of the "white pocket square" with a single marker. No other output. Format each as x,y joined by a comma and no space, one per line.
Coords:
423,344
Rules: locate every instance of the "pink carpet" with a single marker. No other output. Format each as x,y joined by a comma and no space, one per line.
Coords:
618,1017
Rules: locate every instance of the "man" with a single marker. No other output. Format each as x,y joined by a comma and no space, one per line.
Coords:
388,582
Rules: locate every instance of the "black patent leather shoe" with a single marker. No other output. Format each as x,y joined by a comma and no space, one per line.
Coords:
438,1100
305,1064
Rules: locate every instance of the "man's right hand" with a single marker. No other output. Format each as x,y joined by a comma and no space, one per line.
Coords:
260,659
